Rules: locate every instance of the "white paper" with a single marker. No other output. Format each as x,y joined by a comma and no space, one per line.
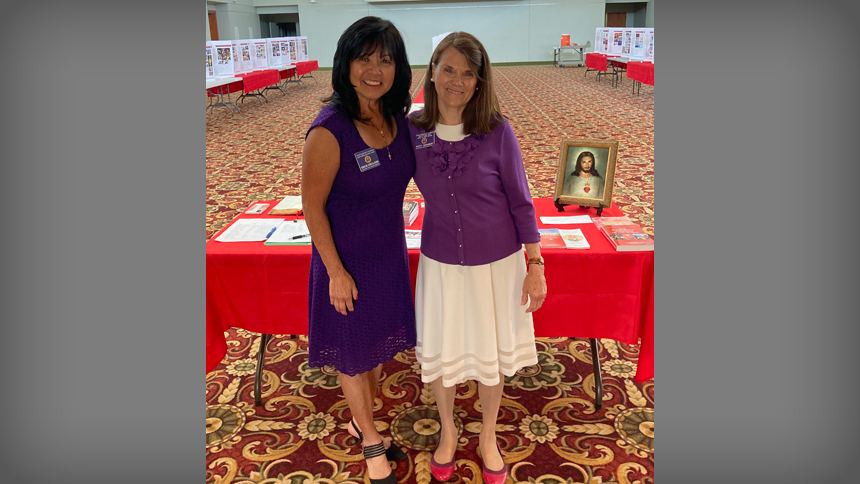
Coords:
292,231
576,219
249,230
413,239
574,239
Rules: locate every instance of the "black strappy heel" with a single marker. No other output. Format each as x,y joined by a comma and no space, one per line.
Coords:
377,450
393,453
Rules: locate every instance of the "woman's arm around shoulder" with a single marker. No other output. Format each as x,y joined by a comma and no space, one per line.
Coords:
320,164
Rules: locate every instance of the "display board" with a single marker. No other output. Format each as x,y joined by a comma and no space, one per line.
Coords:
245,56
259,51
635,43
303,48
223,57
210,61
238,67
273,50
649,45
293,43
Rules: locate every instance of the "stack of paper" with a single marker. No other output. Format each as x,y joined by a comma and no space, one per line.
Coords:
292,232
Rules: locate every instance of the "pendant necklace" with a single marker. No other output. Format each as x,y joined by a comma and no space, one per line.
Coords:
381,133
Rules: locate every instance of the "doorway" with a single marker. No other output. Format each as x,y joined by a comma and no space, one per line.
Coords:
213,25
616,19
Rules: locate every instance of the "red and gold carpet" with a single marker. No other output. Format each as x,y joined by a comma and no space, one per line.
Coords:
549,429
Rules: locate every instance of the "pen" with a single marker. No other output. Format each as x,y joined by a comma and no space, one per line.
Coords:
271,232
299,236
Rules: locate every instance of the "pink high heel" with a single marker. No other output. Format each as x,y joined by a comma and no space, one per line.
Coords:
495,477
442,472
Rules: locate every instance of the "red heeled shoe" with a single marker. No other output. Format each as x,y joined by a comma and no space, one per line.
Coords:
495,477
442,472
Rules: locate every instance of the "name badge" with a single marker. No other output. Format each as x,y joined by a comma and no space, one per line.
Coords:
367,159
425,140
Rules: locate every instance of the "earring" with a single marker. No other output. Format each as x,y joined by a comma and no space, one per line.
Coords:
431,79
477,88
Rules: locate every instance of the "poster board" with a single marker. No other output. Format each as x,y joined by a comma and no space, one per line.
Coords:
649,45
238,67
223,58
259,53
245,55
293,42
303,48
637,51
604,41
273,53
616,41
210,61
627,45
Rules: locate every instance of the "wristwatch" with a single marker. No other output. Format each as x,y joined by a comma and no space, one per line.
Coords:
536,260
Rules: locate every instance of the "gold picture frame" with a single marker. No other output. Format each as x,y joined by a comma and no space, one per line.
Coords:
573,189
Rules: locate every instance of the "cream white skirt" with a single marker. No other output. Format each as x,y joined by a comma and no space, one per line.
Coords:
470,324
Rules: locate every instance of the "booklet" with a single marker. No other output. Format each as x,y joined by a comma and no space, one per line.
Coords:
551,239
290,232
413,239
574,239
290,205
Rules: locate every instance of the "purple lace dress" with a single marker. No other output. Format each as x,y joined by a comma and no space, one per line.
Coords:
365,212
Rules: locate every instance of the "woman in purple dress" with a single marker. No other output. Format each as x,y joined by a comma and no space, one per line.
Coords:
356,165
474,296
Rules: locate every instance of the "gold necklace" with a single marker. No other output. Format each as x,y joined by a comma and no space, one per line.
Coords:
381,133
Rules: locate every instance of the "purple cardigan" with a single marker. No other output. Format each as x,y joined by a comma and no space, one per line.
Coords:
478,208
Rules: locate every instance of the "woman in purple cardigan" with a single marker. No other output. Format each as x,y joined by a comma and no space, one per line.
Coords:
475,291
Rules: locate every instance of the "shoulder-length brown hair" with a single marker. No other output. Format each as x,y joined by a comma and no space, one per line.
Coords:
482,113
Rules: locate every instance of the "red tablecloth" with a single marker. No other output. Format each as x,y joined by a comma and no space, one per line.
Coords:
305,67
595,60
287,73
641,71
259,79
596,293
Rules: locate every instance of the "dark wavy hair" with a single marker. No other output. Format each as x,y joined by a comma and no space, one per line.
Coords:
482,113
363,38
578,169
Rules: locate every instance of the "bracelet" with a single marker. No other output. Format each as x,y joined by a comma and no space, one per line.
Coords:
536,263
536,260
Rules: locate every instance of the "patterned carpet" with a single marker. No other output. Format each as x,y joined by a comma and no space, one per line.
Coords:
549,429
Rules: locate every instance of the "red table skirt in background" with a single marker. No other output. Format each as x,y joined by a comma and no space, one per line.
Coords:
305,67
594,60
595,293
641,71
259,79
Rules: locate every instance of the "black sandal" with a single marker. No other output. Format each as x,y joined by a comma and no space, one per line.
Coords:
393,453
377,450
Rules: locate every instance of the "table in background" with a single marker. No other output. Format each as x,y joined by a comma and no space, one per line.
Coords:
305,69
640,72
595,293
577,48
217,88
257,81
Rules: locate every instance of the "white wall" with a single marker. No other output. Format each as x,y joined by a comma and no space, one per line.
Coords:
241,14
511,30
